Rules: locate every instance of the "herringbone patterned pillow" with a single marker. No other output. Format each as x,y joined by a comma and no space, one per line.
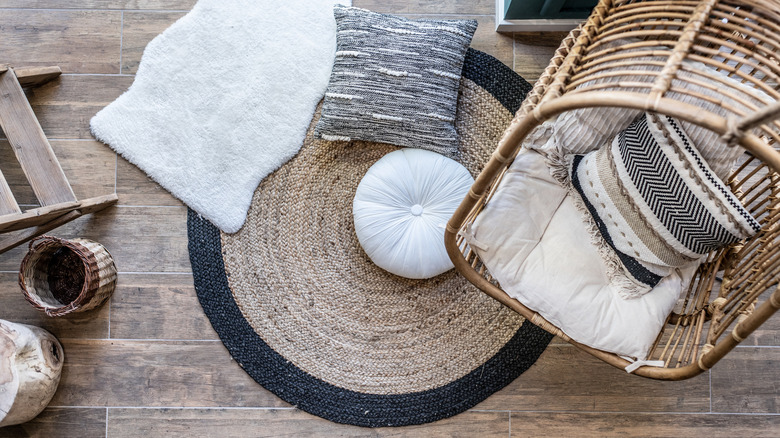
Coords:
655,200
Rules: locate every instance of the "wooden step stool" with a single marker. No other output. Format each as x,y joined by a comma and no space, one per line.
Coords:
39,164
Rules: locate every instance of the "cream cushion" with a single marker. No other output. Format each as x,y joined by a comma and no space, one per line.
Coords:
401,207
533,242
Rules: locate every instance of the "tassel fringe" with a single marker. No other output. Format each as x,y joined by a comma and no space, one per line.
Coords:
560,165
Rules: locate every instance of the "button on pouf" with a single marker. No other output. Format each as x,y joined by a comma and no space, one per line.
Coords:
401,208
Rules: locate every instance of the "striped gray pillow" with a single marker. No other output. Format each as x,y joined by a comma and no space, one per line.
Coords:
395,80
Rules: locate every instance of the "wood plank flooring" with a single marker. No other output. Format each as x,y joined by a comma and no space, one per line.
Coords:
149,364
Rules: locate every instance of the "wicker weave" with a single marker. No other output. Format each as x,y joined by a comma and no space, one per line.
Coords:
734,291
45,283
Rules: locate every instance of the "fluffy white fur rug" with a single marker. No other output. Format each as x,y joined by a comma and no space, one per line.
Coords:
222,98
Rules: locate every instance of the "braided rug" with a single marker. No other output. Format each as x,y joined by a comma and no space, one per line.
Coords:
304,311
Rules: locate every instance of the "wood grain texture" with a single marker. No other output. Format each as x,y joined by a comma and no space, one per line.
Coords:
136,188
91,324
768,334
138,29
8,204
90,166
76,41
85,207
745,381
567,379
155,373
550,424
142,27
533,51
34,76
64,107
463,7
31,361
61,422
36,217
140,239
100,4
30,145
240,423
557,340
12,171
158,306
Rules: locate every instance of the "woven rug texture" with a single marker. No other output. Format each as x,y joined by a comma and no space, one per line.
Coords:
305,312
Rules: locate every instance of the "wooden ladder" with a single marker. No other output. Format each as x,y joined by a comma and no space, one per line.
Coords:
38,162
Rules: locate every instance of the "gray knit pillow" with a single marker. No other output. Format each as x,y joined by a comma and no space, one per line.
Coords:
395,80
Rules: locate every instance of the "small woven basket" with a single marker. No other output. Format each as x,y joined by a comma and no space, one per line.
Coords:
61,276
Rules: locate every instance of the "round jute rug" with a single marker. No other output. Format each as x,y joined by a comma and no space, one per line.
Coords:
304,311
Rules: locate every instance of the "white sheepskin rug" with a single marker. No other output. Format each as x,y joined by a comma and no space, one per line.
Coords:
222,98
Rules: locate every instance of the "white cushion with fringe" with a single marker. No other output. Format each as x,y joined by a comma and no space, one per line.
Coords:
527,238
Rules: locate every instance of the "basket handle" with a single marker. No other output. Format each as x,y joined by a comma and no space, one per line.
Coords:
737,127
33,242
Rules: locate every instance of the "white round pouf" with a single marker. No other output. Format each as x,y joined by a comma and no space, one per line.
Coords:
401,208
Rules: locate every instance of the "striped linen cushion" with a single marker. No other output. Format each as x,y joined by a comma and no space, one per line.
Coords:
655,200
583,130
395,80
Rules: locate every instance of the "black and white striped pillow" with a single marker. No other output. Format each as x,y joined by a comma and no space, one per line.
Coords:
655,200
395,80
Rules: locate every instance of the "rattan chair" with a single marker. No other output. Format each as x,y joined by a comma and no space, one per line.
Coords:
734,291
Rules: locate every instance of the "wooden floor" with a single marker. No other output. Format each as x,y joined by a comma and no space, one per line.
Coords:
149,364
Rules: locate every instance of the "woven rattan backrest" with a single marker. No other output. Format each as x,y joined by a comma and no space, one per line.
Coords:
642,52
658,56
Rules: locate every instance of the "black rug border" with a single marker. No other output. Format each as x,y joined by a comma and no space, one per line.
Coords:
508,87
306,392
